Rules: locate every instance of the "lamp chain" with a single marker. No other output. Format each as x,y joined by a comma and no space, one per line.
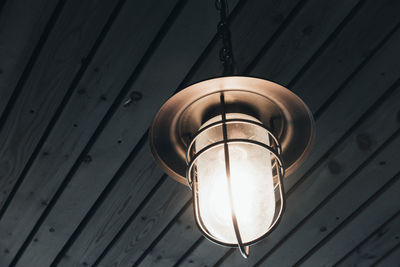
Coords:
225,53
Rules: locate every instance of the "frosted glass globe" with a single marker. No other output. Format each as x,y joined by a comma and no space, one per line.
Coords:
251,179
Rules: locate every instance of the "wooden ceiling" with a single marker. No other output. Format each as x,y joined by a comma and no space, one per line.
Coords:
81,80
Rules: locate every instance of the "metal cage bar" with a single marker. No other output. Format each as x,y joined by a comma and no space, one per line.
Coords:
191,158
280,173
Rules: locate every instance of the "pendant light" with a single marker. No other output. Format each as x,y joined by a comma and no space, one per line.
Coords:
232,140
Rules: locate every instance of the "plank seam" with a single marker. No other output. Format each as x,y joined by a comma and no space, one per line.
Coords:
321,49
331,195
97,204
31,62
327,42
163,233
352,129
54,119
99,129
207,50
374,51
282,27
47,132
363,118
188,76
349,218
387,254
365,240
223,258
190,250
130,219
152,47
341,140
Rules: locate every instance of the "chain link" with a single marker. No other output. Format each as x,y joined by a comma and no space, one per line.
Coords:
225,53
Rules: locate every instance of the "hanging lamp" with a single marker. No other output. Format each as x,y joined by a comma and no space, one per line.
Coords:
232,140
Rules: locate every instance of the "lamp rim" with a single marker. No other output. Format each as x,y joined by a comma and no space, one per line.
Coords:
181,111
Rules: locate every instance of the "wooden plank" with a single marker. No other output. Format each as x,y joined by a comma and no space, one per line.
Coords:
374,128
338,207
385,206
375,246
292,48
346,152
90,178
93,240
182,232
328,74
334,122
48,82
38,105
282,60
20,43
117,57
353,45
196,257
147,225
391,259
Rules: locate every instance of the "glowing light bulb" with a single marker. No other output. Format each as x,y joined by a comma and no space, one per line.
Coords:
251,180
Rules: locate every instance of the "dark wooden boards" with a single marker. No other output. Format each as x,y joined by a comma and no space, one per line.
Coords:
106,223
392,258
23,34
125,123
385,205
74,33
343,204
375,246
80,186
330,131
185,231
76,126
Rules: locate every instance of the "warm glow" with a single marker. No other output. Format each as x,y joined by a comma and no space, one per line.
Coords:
251,176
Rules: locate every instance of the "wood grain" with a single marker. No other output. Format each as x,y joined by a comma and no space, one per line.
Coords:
81,81
73,35
328,129
126,123
113,64
375,246
163,254
22,25
331,164
384,206
153,218
390,259
132,189
333,212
